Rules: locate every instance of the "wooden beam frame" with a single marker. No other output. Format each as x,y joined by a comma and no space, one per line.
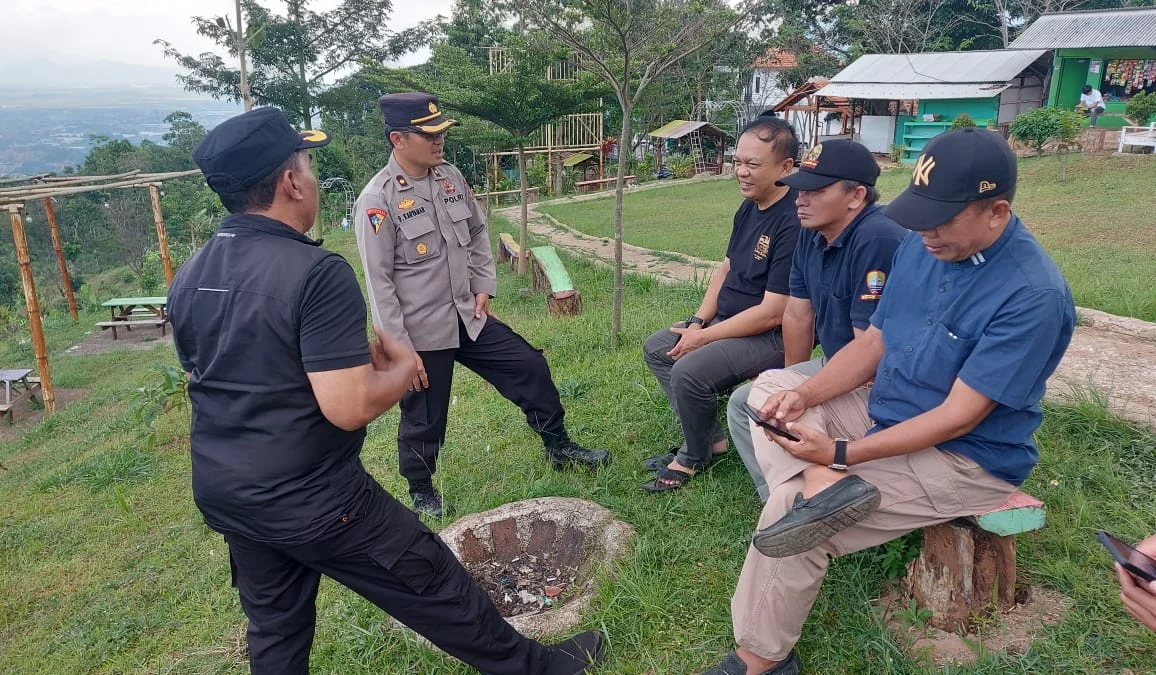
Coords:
32,303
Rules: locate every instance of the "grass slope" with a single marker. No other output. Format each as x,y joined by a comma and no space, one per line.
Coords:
1099,225
107,568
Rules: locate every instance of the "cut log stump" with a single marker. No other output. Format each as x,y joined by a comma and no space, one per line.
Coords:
550,275
967,568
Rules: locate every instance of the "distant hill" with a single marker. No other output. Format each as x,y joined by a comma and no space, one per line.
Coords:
41,74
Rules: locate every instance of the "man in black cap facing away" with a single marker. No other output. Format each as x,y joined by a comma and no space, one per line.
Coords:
271,330
975,318
430,276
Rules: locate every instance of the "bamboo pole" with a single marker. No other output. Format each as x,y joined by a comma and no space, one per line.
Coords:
162,238
33,305
64,278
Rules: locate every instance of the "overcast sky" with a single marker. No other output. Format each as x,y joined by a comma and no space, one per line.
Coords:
124,30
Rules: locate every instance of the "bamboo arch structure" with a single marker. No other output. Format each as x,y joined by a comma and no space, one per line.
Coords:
42,187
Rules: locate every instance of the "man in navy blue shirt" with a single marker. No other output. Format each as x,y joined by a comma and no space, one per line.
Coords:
975,318
271,330
734,335
837,276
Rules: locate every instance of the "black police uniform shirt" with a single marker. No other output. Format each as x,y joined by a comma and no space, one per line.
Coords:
760,250
844,280
254,311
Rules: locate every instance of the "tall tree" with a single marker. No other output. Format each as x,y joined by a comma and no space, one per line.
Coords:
295,55
519,99
629,44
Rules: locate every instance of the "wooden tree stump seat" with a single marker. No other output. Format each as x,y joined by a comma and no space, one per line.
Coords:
967,568
508,249
550,275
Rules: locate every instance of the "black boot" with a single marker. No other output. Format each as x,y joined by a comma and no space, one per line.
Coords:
427,500
562,451
574,656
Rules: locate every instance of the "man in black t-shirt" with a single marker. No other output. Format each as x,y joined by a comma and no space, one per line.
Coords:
735,333
271,330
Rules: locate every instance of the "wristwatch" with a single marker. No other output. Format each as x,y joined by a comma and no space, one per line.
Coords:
840,463
693,319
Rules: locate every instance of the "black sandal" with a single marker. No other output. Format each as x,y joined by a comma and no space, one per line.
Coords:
659,462
668,479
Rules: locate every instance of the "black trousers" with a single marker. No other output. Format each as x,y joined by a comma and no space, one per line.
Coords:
381,551
501,357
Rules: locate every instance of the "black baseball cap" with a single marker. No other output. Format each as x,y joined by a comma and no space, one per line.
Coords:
244,149
833,161
955,169
414,110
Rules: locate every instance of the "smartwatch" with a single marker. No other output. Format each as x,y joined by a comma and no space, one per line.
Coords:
693,319
840,463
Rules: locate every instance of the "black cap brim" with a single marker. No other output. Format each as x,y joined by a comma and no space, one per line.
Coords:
314,138
437,126
918,213
807,181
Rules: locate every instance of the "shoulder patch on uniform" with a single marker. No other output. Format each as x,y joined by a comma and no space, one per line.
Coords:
875,281
376,218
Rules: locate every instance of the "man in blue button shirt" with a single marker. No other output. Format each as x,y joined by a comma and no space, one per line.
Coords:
837,276
975,318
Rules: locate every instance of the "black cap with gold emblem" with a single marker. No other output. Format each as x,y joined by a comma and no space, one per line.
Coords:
414,110
955,169
244,149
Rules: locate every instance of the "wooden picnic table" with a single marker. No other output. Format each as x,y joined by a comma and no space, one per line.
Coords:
142,311
122,309
17,386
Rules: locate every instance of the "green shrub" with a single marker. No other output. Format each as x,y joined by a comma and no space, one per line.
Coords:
895,152
680,167
961,121
1141,109
1042,126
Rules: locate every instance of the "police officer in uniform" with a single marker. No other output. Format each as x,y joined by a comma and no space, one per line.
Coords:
430,276
282,383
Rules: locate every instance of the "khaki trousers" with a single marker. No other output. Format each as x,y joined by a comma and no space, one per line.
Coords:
927,487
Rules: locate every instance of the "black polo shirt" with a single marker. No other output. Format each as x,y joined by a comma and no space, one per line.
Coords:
254,311
844,280
760,250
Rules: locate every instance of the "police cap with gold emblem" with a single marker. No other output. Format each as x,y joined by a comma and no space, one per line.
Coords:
413,110
955,169
244,149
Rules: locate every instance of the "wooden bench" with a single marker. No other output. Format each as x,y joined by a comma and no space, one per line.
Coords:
600,183
550,275
17,386
127,325
508,249
967,567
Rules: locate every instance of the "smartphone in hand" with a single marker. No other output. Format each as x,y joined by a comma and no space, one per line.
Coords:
754,415
1138,565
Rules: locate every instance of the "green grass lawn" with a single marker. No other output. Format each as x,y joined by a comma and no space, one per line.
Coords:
107,567
1099,224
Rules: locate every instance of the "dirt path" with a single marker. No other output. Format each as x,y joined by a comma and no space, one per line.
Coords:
1114,355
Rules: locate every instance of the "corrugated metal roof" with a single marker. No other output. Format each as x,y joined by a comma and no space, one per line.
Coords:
1133,27
901,91
996,66
680,128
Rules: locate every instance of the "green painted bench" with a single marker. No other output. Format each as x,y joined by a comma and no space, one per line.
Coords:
967,568
550,275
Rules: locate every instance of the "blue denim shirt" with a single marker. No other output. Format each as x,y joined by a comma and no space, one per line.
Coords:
999,320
